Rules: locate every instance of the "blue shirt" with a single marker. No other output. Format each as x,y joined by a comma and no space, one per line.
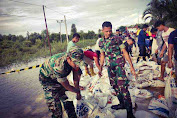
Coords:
70,44
173,40
141,37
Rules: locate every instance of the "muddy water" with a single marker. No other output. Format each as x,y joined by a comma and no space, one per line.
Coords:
21,94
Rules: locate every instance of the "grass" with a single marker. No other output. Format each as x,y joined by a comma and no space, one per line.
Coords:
26,54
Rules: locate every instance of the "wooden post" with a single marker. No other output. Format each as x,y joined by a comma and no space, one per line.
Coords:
60,29
47,31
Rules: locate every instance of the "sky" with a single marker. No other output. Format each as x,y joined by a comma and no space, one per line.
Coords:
17,16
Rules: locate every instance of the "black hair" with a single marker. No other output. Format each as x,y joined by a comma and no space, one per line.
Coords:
153,30
106,24
133,40
145,26
76,35
99,35
158,23
117,30
90,50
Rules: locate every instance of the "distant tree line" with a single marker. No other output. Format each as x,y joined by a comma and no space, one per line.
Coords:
17,47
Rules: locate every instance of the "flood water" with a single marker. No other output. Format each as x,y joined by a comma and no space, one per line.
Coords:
21,94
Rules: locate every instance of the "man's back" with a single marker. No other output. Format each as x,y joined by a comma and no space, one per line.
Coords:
141,37
70,44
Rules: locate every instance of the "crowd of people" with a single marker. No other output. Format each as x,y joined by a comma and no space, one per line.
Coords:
156,44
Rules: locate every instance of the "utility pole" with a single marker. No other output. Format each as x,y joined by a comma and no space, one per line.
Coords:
138,17
60,29
47,31
66,28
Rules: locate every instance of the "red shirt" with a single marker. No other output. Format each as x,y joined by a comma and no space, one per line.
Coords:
90,54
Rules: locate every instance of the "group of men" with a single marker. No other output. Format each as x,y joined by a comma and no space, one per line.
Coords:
163,40
110,49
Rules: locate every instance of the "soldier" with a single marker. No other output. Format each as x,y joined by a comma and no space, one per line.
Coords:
53,78
111,48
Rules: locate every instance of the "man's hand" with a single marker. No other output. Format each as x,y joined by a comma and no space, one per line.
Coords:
78,97
156,51
161,54
170,64
133,71
100,73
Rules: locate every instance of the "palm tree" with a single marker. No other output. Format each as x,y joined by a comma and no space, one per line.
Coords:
162,10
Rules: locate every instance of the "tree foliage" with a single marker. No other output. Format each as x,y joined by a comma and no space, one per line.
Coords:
165,10
122,28
73,29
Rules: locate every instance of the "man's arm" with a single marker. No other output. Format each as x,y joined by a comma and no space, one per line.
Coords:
97,63
170,53
67,86
127,57
76,80
102,56
163,49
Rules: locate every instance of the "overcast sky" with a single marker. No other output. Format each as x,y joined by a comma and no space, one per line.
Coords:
85,14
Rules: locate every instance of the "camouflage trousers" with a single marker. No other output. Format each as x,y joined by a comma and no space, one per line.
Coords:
54,95
119,83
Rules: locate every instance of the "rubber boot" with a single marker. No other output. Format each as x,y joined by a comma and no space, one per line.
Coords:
92,71
86,72
119,106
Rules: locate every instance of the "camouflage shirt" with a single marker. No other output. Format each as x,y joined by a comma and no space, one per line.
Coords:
56,67
112,48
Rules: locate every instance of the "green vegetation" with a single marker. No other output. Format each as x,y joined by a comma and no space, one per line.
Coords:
165,10
14,49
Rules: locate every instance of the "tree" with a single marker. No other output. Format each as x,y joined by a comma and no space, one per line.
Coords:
73,29
33,37
99,31
27,35
165,10
21,38
90,35
122,28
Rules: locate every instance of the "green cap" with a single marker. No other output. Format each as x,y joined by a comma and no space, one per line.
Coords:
76,54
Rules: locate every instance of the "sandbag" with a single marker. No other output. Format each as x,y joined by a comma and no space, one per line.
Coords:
159,107
167,92
143,93
82,109
157,83
144,114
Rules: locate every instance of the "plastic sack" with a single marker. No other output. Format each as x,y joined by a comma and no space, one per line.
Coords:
157,83
167,92
82,109
93,82
133,92
173,90
159,107
145,114
143,93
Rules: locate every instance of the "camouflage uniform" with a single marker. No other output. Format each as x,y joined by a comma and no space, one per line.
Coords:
115,63
52,72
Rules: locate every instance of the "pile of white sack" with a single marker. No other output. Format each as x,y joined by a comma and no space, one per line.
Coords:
98,95
97,98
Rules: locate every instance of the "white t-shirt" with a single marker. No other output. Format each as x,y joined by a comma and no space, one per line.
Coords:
154,45
166,34
97,44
